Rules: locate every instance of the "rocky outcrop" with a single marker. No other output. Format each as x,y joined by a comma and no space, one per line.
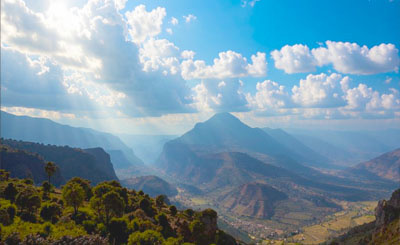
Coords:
388,211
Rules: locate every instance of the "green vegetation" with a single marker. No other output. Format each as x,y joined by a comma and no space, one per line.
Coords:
103,214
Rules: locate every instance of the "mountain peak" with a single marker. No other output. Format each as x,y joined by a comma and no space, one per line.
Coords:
223,116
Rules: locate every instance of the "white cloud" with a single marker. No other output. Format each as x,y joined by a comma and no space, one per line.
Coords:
294,59
190,17
120,4
188,54
159,54
319,91
229,65
98,50
215,95
145,24
169,30
349,58
174,21
354,59
269,95
251,3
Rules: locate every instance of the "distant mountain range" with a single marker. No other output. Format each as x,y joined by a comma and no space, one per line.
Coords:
347,148
45,131
385,166
223,157
147,147
25,159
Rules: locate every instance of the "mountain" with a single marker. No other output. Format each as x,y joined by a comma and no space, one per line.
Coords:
45,131
225,133
152,185
253,199
147,147
386,166
23,164
93,164
349,147
384,230
307,154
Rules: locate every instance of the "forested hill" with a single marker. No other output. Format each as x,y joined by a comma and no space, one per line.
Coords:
92,164
103,214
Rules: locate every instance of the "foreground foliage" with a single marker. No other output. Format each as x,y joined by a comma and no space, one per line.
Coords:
104,214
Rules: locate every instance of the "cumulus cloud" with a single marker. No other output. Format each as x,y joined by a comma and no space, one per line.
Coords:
229,65
269,95
145,24
324,97
319,91
99,52
215,95
294,59
349,58
174,21
190,17
159,53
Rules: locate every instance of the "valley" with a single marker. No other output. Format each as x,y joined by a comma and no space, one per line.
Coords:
266,185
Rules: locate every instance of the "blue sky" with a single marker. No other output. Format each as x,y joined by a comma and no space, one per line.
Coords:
160,66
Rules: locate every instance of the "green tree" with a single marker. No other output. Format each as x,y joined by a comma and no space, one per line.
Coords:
118,229
148,237
10,192
85,185
28,199
50,211
160,199
73,195
50,169
113,205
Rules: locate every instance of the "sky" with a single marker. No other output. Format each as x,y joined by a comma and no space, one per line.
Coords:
160,66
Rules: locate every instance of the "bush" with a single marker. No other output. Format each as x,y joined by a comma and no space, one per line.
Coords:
28,200
118,229
90,226
10,192
189,212
4,217
50,211
148,237
173,210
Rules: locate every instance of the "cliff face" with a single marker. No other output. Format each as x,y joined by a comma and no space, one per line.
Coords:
388,211
384,230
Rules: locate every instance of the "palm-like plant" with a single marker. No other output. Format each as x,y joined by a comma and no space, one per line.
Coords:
50,169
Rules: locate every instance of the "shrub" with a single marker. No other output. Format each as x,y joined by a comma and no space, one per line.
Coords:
118,229
4,217
173,210
10,192
148,237
90,226
50,211
13,239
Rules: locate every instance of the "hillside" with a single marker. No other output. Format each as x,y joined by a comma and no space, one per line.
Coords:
152,185
23,164
45,131
253,199
386,166
102,214
225,133
307,154
348,147
384,230
92,164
